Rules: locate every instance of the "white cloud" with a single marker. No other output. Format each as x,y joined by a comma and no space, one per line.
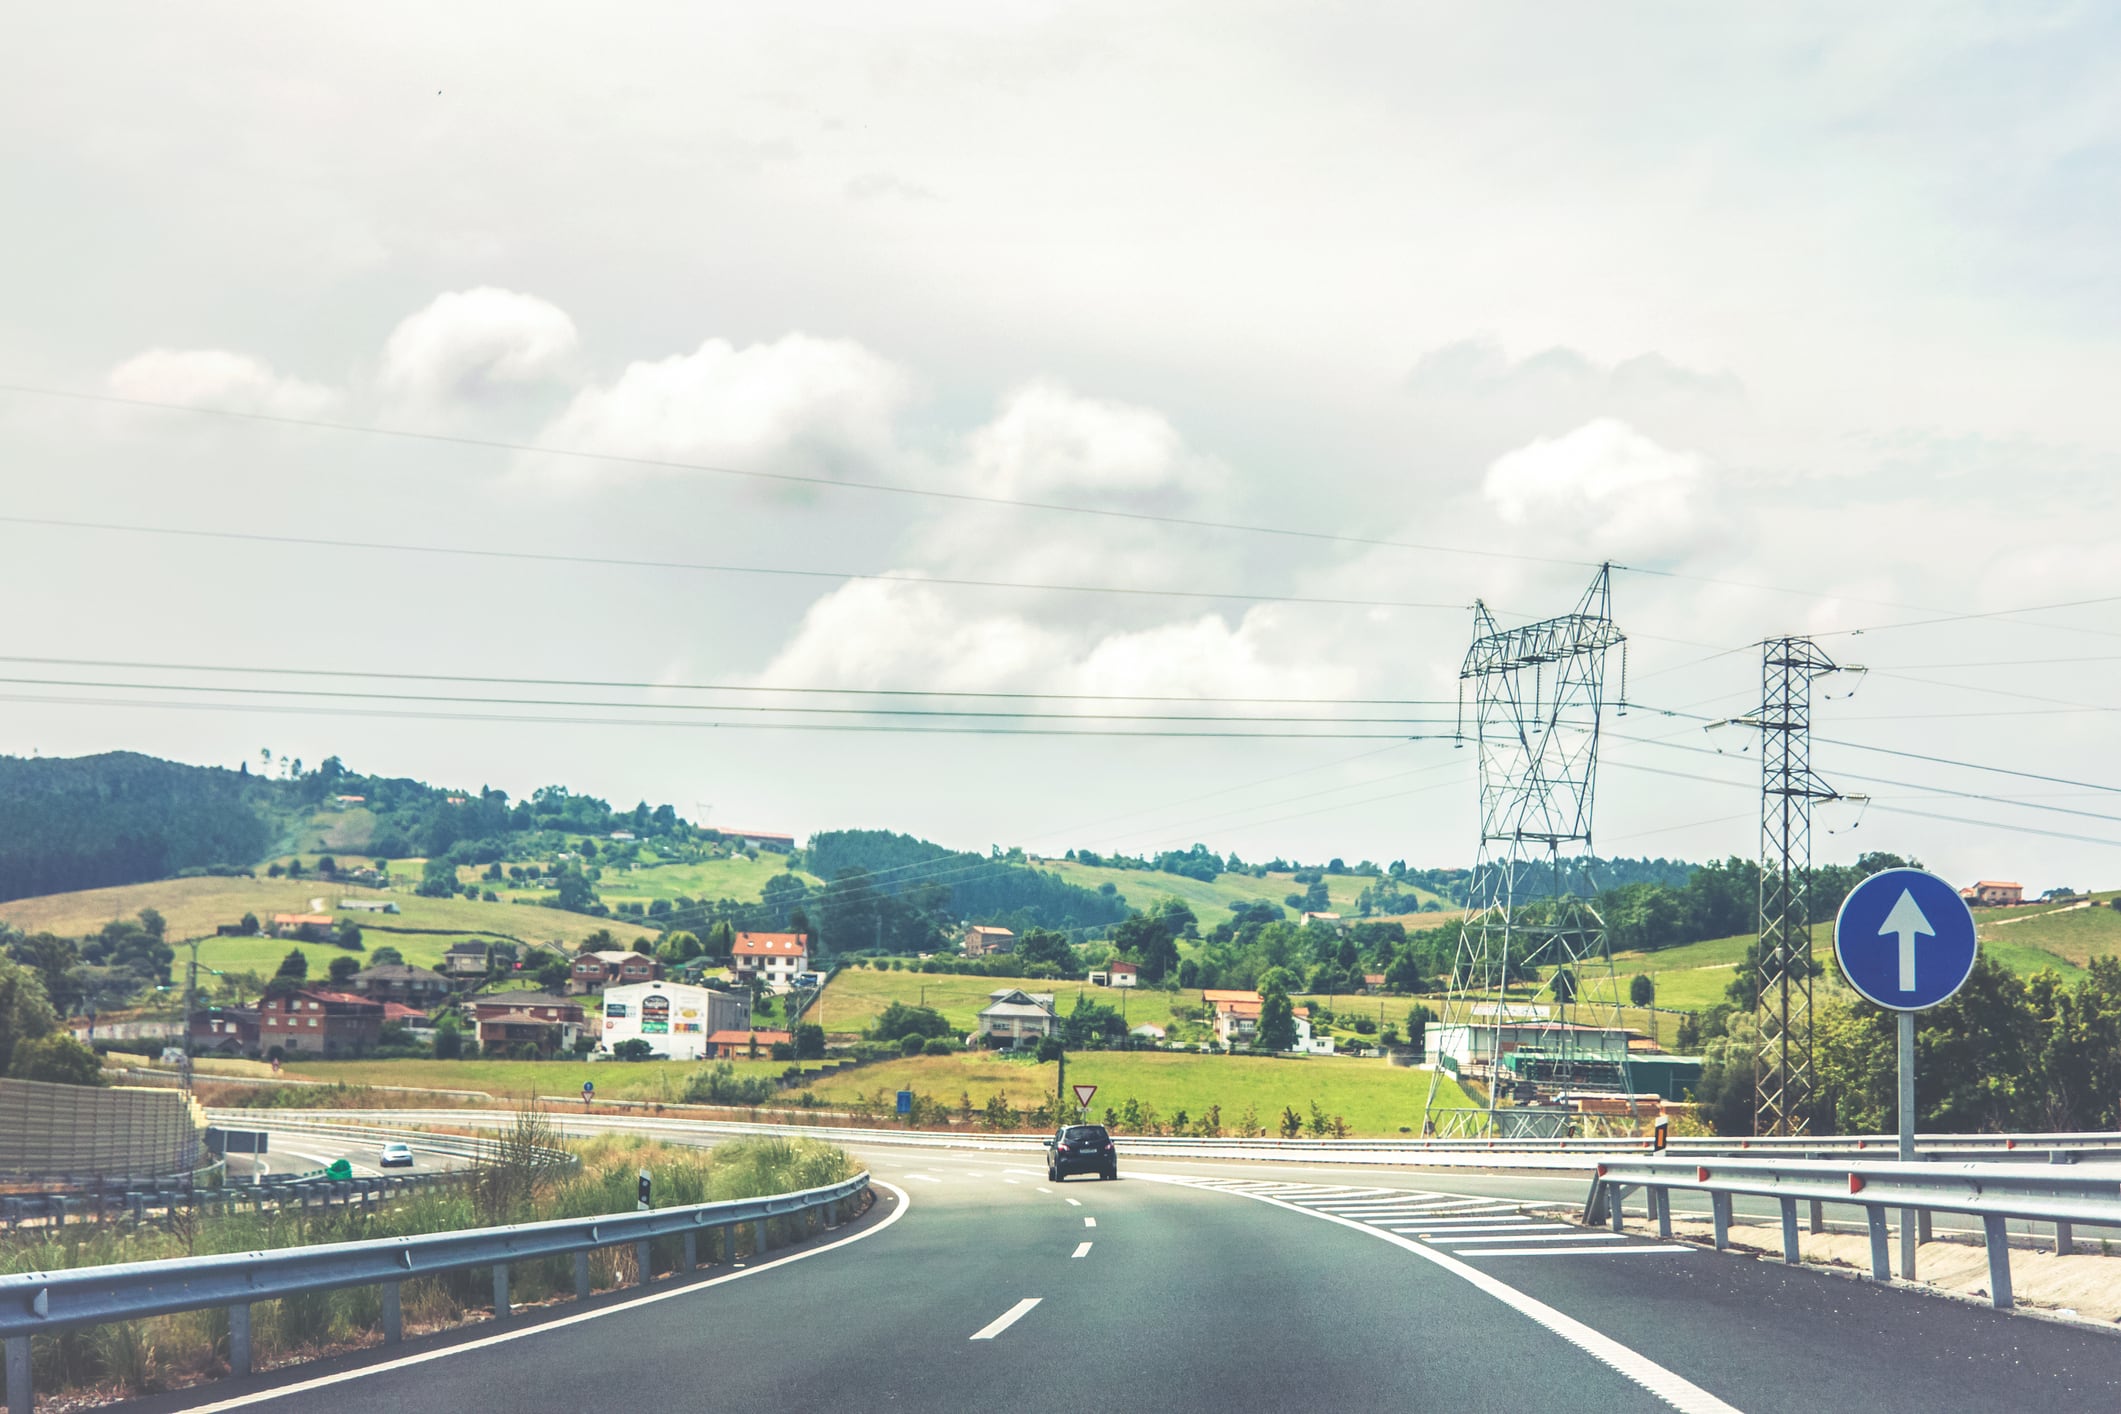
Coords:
469,344
217,379
1048,438
1604,486
874,633
819,402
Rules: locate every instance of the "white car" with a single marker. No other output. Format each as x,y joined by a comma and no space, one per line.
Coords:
396,1156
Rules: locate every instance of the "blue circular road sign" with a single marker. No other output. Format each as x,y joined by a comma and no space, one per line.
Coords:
1905,939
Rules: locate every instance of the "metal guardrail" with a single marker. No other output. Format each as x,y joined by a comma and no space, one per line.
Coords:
1563,1154
1995,1193
42,1303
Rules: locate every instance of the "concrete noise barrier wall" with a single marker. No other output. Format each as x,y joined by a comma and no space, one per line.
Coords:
51,1132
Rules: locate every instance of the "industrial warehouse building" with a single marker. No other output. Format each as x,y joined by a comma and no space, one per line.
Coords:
675,1020
1460,1046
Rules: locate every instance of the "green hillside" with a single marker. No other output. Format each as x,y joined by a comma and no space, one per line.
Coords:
1145,890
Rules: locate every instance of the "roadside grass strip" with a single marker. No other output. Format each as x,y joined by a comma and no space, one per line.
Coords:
1667,1385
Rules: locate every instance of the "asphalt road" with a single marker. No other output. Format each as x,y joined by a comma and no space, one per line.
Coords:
976,1283
299,1153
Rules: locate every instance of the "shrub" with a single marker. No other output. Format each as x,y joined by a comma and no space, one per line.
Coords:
937,1046
719,1084
633,1050
913,1045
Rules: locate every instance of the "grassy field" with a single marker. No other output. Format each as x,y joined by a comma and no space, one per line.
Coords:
856,996
1372,1095
1210,902
197,906
737,877
511,1079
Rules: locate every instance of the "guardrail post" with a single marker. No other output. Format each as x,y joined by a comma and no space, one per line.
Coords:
1661,1200
1619,1197
2063,1245
1922,1226
1720,1211
640,1261
758,1243
1818,1216
239,1338
393,1314
1881,1254
19,1389
1790,1251
1997,1232
581,1276
500,1290
692,1252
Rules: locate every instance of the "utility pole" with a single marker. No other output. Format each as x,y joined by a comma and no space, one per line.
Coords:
1784,1082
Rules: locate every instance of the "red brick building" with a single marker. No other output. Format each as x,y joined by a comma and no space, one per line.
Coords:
319,1023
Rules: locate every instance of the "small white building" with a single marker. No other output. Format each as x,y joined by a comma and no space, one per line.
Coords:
368,905
1018,1016
1124,974
1479,1042
674,1019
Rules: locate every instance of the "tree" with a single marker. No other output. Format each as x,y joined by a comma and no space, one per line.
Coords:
1563,986
1418,1019
1277,1021
25,1012
809,1041
1641,990
449,1037
249,925
899,1020
386,956
438,880
293,969
1147,942
634,1049
57,1059
343,970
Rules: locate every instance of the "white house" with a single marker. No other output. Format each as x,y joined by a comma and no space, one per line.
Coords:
1018,1016
675,1020
774,957
1124,974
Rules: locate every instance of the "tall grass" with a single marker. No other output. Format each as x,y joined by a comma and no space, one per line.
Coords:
515,1184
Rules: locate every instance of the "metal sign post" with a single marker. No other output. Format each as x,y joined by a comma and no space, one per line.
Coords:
1905,940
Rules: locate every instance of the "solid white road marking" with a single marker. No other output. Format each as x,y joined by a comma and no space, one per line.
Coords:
1580,1252
898,1210
1089,1222
1006,1319
1456,1240
1677,1391
1445,1234
1083,1250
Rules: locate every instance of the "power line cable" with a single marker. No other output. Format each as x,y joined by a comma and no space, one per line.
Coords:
784,571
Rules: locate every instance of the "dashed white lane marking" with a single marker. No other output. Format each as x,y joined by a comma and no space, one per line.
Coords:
1089,1222
1044,1189
1006,1319
1082,1250
924,1178
1028,1173
1075,1202
1012,1180
1584,1252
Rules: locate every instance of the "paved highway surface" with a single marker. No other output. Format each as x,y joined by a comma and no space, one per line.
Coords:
300,1153
975,1283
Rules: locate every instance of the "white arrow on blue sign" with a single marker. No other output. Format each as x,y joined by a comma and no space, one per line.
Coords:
1905,939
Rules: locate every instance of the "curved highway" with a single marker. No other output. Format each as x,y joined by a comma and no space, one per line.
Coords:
976,1283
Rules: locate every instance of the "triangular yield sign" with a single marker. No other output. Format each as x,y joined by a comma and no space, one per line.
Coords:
1083,1094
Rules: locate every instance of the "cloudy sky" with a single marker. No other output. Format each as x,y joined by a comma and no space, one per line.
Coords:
1811,326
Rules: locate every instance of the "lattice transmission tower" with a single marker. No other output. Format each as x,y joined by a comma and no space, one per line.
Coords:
1784,1086
1538,697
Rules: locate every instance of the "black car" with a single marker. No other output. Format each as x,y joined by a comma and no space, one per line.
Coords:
1082,1148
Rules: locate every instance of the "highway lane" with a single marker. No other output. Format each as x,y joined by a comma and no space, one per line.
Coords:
301,1152
1241,1290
